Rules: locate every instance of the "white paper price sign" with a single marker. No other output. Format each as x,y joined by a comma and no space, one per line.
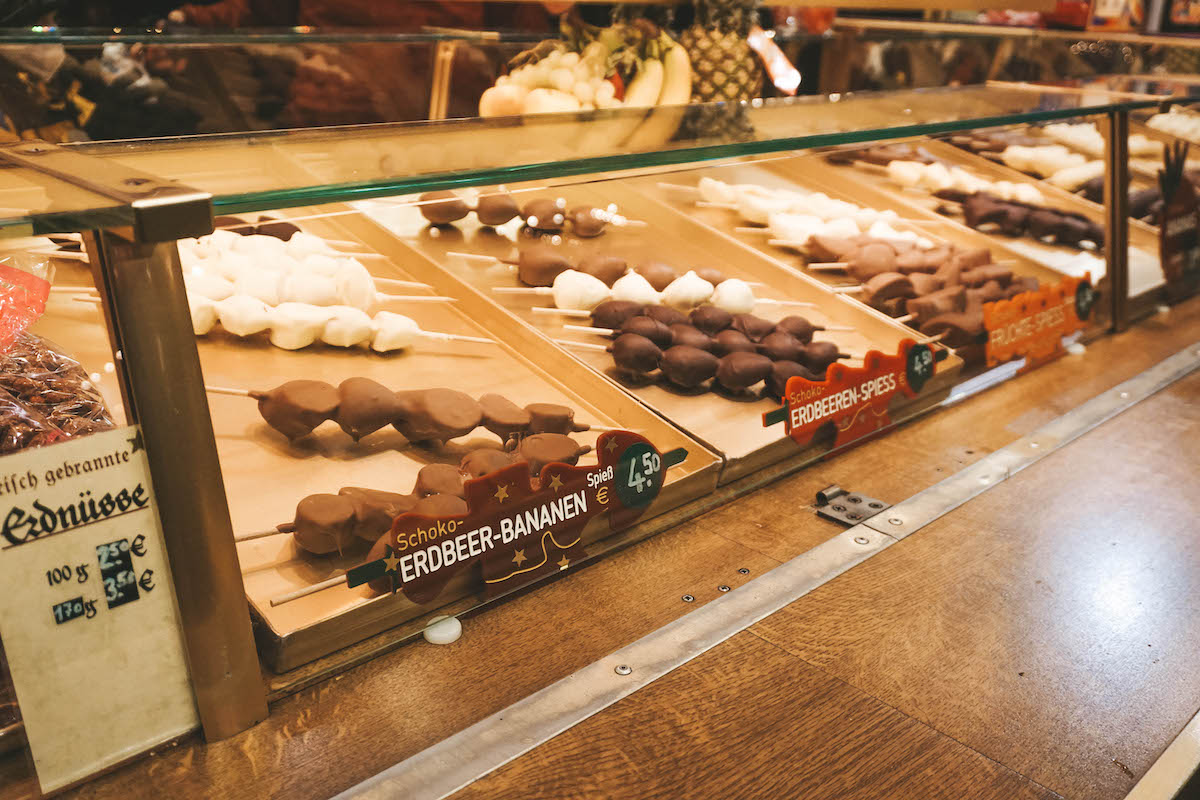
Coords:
88,613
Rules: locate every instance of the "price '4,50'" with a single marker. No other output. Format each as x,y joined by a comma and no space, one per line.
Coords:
641,475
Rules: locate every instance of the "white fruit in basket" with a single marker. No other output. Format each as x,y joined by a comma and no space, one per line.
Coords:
562,79
503,101
605,91
541,101
584,92
569,59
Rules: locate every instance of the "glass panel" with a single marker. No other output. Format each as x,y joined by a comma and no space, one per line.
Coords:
261,171
31,202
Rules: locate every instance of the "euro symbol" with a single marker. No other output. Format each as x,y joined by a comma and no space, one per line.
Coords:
139,545
147,580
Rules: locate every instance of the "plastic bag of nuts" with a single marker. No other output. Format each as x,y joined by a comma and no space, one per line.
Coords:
21,427
54,385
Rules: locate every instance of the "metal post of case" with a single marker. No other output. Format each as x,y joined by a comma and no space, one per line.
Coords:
443,74
1116,207
144,291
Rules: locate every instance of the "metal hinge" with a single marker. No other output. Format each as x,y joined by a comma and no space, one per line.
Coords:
849,508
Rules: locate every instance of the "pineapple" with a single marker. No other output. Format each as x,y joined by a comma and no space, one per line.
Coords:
724,67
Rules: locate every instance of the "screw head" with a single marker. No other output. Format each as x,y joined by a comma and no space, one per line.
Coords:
853,499
687,598
723,588
838,507
875,505
853,515
623,669
743,571
861,540
895,520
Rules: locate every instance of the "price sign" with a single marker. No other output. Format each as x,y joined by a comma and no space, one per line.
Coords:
89,602
518,530
854,402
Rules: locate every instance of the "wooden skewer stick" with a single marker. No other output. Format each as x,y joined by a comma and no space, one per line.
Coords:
828,266
413,298
229,391
905,318
401,284
846,289
707,204
566,312
538,290
474,256
932,339
581,345
306,591
86,298
588,329
749,229
456,337
74,289
605,428
770,301
251,536
678,187
69,255
836,328
796,243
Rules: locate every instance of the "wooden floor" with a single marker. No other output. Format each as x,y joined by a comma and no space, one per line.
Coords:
1036,642
1043,653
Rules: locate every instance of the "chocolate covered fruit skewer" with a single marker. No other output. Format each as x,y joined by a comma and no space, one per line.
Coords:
328,523
544,215
361,406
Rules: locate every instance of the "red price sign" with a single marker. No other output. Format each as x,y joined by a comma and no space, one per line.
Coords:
516,531
853,402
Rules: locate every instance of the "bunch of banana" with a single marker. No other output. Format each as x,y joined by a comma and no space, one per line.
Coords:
622,66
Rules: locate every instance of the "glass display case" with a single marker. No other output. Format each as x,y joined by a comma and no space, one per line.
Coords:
391,372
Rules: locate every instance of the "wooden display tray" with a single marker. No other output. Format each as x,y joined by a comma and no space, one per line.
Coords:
265,475
810,172
731,427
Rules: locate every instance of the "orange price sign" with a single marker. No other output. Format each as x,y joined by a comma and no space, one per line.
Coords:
1032,324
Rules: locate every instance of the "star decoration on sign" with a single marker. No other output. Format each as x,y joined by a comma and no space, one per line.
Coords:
555,483
564,563
391,561
501,493
611,446
136,442
519,558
